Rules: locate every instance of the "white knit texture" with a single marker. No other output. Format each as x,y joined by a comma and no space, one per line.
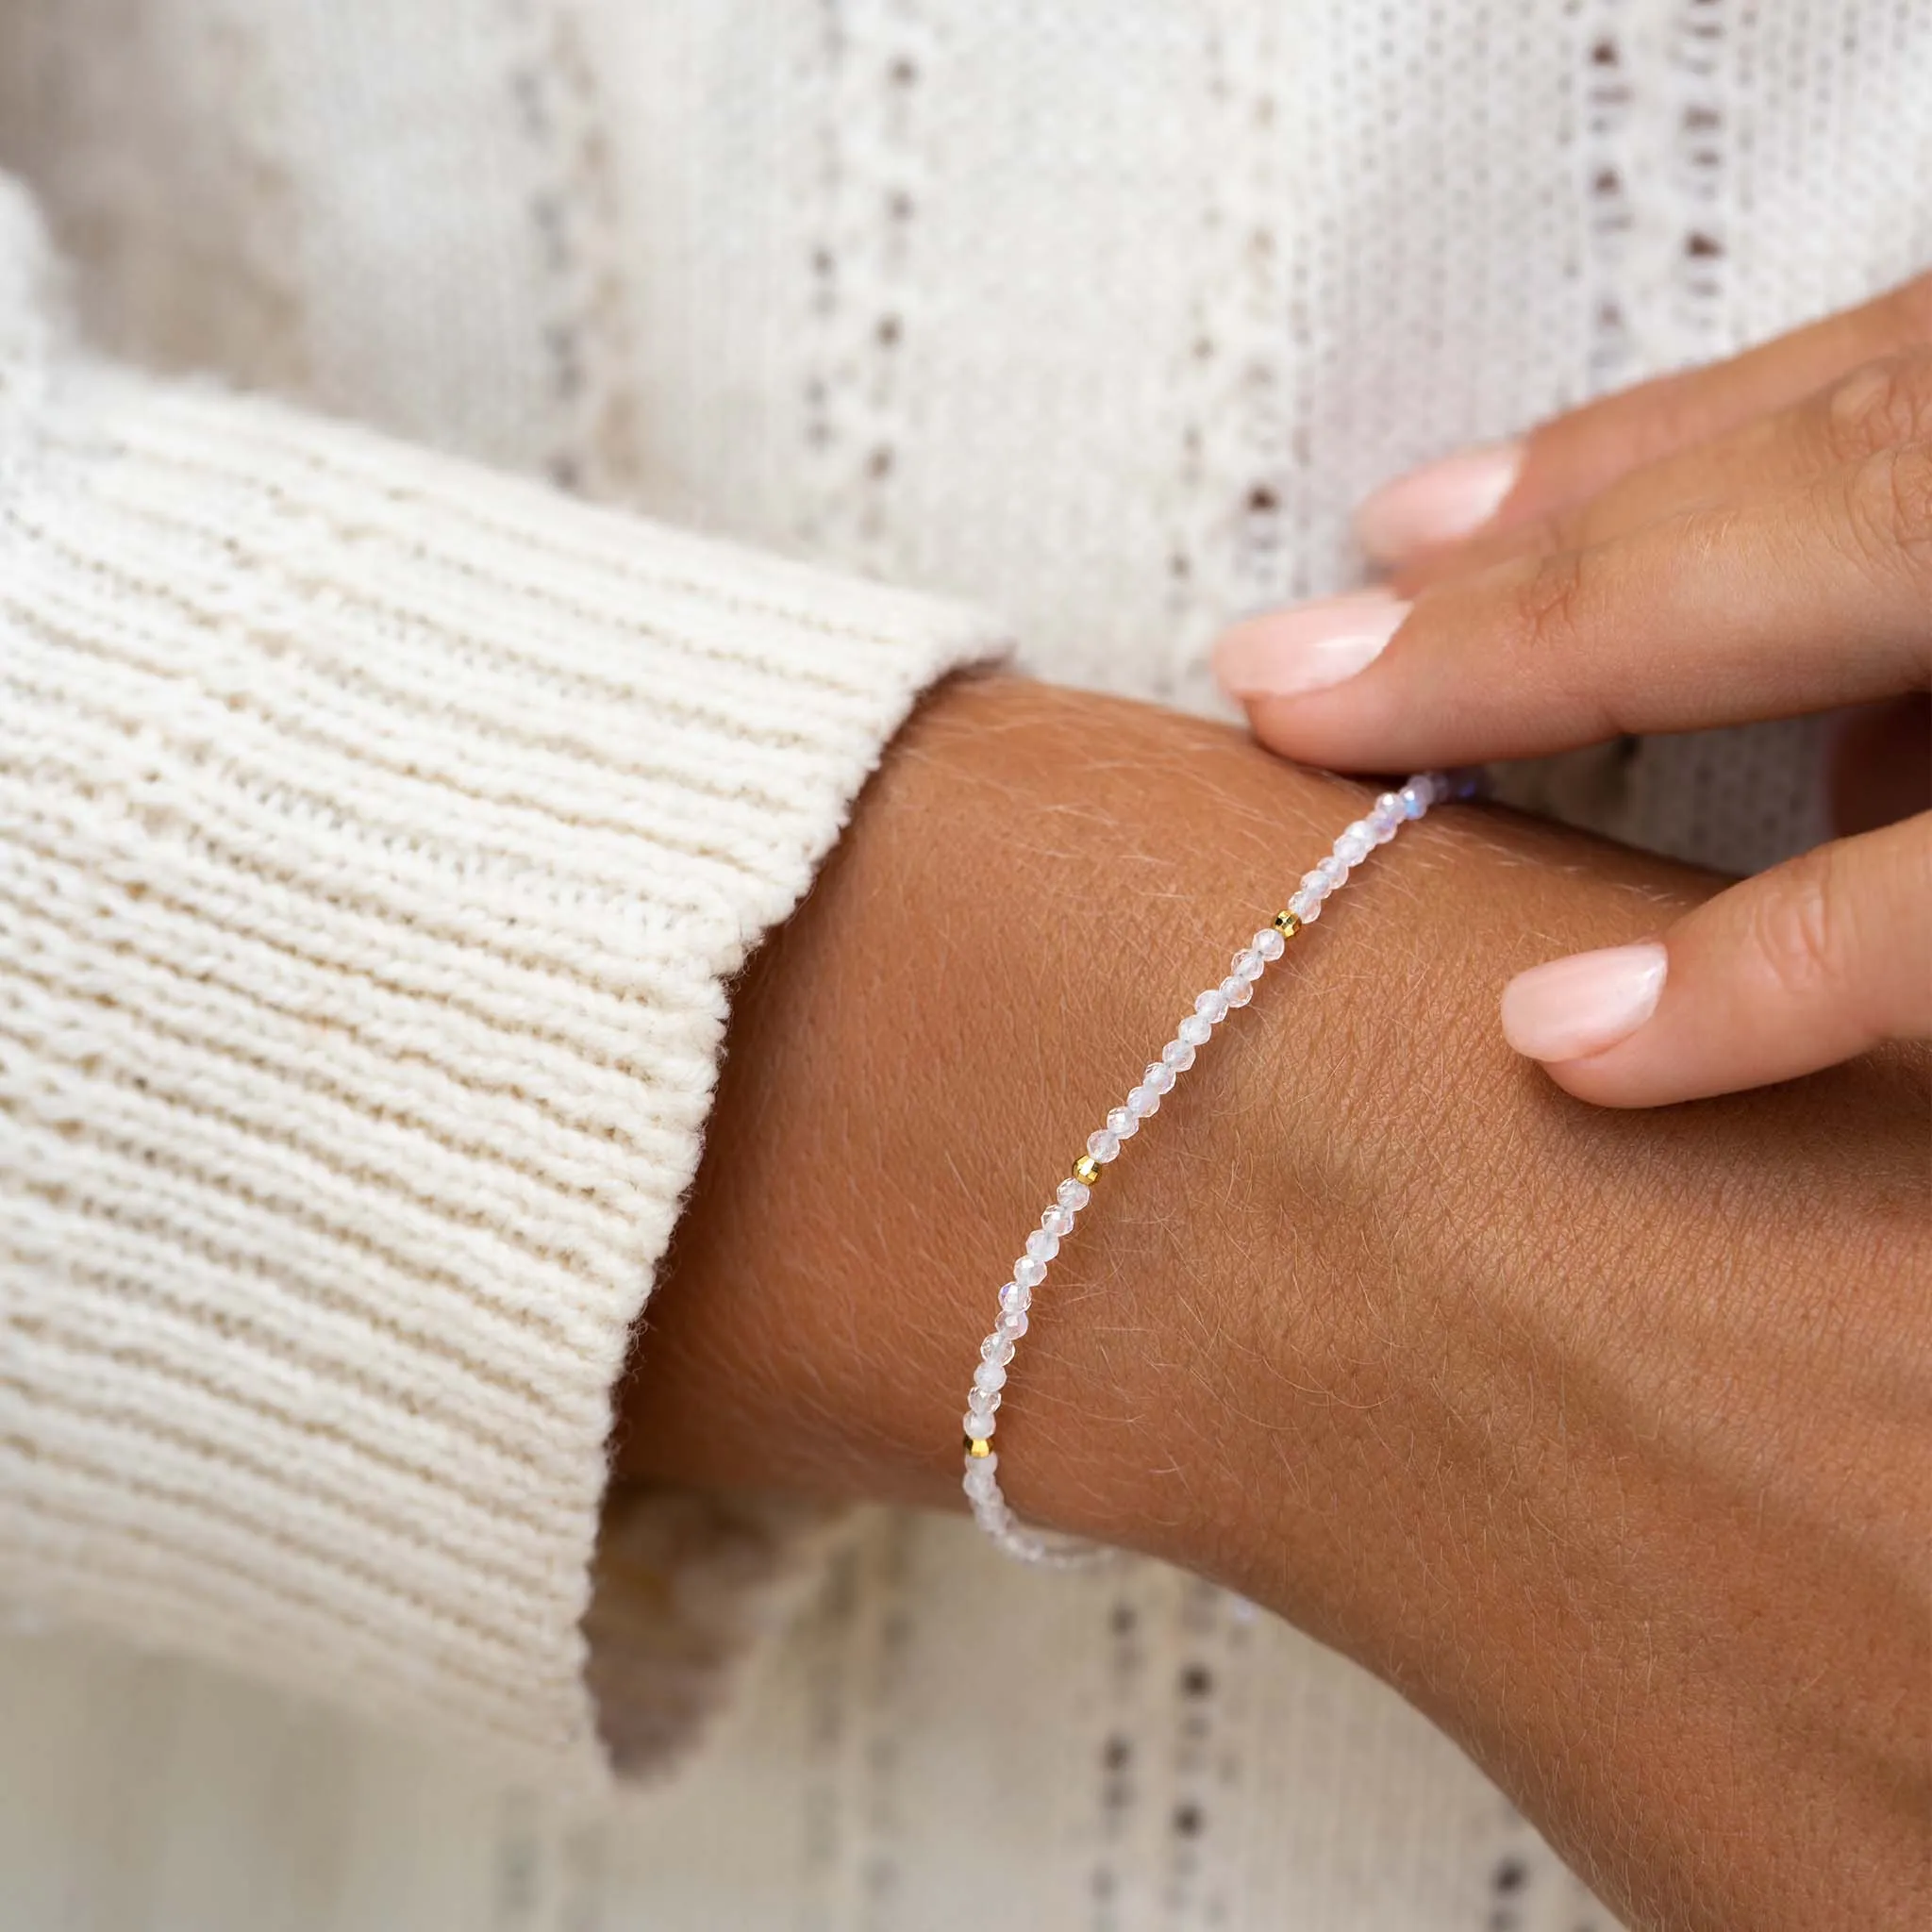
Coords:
375,838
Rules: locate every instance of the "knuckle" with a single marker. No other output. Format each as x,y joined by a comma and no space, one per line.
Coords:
1883,405
1547,627
1889,516
1551,600
1798,928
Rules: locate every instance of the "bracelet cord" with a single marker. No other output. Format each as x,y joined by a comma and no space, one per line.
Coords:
1389,814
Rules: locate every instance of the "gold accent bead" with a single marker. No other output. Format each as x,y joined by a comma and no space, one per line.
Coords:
1087,1171
976,1447
1288,924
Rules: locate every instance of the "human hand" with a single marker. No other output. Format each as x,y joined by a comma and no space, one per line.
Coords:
1600,1435
1748,541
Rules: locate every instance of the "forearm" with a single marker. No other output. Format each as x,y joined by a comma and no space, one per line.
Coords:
1355,1326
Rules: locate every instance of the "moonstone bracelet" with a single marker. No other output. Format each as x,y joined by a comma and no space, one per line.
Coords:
1390,812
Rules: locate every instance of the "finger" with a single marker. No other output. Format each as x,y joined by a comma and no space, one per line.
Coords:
1879,405
1795,970
1571,457
1816,599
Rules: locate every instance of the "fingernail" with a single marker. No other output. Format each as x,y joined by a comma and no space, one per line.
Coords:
1306,647
1441,503
1583,1004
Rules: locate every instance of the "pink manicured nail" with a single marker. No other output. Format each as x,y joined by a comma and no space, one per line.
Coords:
1583,1004
1306,647
1437,504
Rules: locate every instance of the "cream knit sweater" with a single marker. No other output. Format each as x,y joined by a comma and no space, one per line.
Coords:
380,831
375,838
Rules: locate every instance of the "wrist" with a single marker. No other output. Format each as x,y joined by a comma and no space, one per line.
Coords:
1373,1324
1019,914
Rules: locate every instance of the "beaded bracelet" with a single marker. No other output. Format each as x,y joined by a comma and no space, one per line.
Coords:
1389,813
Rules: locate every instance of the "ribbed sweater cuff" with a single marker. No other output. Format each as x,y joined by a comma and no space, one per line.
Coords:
376,839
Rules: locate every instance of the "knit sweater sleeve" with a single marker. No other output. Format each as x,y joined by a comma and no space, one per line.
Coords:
378,838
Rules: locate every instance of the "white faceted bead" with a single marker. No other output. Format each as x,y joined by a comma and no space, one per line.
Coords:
1236,991
1013,1323
990,1375
1029,1272
1249,964
1334,871
1057,1221
997,1350
1415,799
979,1479
1074,1196
1142,1101
1355,843
1270,944
1041,1245
984,1400
1194,1031
1306,905
1213,1006
979,1427
1015,1299
1315,885
1160,1076
1178,1054
1122,1122
1103,1146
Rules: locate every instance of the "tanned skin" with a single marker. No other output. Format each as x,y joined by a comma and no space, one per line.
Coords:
1605,1436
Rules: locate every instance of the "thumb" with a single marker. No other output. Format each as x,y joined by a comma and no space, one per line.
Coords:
1794,970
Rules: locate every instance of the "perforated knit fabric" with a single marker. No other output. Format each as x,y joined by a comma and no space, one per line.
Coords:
1101,315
